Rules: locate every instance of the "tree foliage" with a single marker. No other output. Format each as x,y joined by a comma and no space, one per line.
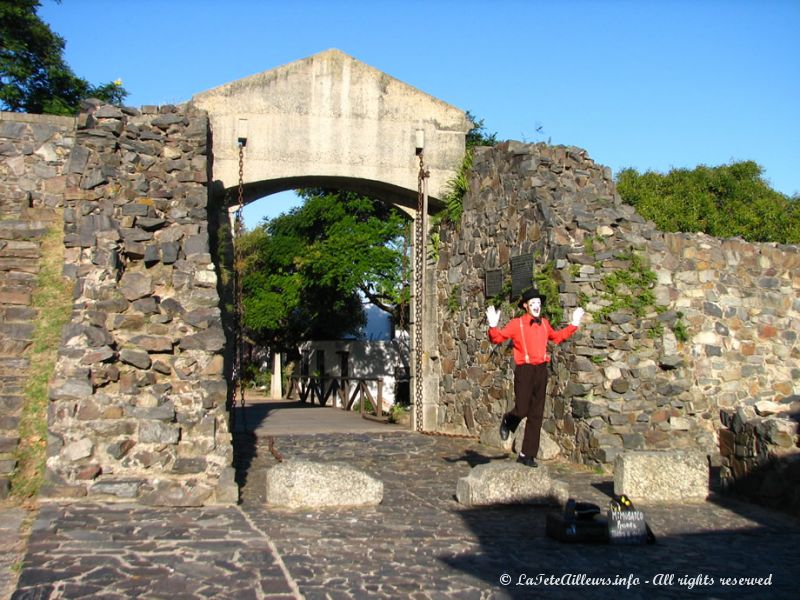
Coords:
33,75
479,135
456,187
305,272
726,201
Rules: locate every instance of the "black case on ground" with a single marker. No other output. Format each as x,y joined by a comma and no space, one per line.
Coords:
561,528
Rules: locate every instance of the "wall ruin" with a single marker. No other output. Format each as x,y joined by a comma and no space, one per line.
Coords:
721,330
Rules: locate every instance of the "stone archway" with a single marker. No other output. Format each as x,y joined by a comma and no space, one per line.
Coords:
332,121
331,116
137,407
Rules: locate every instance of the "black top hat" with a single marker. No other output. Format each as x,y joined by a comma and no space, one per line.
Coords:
529,294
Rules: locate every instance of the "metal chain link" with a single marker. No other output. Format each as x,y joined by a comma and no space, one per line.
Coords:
419,267
238,316
404,279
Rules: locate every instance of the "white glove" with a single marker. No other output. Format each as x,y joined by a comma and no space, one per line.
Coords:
493,316
577,315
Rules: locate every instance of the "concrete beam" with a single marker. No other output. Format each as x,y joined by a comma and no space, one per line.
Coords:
331,120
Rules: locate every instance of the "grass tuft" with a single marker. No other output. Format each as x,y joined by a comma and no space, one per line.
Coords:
53,300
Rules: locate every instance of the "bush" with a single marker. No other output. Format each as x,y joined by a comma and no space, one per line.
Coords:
726,201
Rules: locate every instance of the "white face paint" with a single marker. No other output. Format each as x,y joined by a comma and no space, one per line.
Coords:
535,307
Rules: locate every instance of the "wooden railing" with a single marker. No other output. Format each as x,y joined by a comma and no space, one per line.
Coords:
343,390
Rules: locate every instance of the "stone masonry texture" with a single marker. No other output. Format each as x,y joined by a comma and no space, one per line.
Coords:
719,331
34,150
137,403
137,408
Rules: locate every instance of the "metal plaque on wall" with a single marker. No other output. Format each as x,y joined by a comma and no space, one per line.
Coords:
493,281
521,274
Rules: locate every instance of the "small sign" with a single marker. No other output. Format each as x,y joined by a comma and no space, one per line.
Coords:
521,274
493,281
627,527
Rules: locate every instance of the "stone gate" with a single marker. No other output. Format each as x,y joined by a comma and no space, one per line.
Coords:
138,400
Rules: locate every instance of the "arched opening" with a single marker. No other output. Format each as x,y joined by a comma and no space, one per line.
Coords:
339,354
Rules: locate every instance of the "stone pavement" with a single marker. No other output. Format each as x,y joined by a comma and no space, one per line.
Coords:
419,543
12,547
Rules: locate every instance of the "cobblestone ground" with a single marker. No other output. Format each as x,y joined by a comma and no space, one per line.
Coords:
419,543
12,547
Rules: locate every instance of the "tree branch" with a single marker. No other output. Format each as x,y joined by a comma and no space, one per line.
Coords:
378,300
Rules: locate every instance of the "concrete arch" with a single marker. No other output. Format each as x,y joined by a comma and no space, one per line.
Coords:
335,118
391,194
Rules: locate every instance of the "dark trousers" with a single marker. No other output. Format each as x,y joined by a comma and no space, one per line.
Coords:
530,387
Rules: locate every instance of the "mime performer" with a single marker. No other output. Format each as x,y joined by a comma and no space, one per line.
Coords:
530,334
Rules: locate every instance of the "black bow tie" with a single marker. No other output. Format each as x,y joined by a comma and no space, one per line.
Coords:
536,320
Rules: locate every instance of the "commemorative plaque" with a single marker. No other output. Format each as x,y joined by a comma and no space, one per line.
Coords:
521,274
493,281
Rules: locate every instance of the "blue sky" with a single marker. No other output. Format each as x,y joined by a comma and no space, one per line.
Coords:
647,84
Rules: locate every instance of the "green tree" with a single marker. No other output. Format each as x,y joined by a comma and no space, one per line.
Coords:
456,187
305,272
33,75
479,135
726,201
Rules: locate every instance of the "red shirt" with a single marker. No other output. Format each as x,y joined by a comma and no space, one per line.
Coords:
530,338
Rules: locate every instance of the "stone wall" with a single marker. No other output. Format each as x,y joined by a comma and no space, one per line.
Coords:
33,153
760,451
718,329
138,399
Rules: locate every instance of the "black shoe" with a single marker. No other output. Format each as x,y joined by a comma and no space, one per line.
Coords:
528,461
503,429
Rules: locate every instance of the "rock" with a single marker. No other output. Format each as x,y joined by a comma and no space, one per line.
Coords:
135,285
300,484
121,488
548,449
119,449
176,493
680,423
767,407
156,432
506,482
164,121
77,450
668,476
672,361
153,343
202,318
108,111
211,340
138,358
227,492
620,386
71,389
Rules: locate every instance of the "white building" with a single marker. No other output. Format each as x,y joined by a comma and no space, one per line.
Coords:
374,355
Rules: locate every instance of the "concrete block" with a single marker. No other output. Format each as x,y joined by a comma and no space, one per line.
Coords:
509,483
661,476
300,484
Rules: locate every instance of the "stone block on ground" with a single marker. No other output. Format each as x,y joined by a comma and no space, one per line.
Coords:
662,476
306,484
509,482
548,448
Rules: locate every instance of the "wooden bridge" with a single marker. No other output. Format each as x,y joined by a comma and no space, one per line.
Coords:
342,391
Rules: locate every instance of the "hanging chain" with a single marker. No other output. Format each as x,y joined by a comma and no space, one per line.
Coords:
419,267
238,317
404,279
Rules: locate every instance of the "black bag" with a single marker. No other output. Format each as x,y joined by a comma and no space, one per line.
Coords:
580,522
